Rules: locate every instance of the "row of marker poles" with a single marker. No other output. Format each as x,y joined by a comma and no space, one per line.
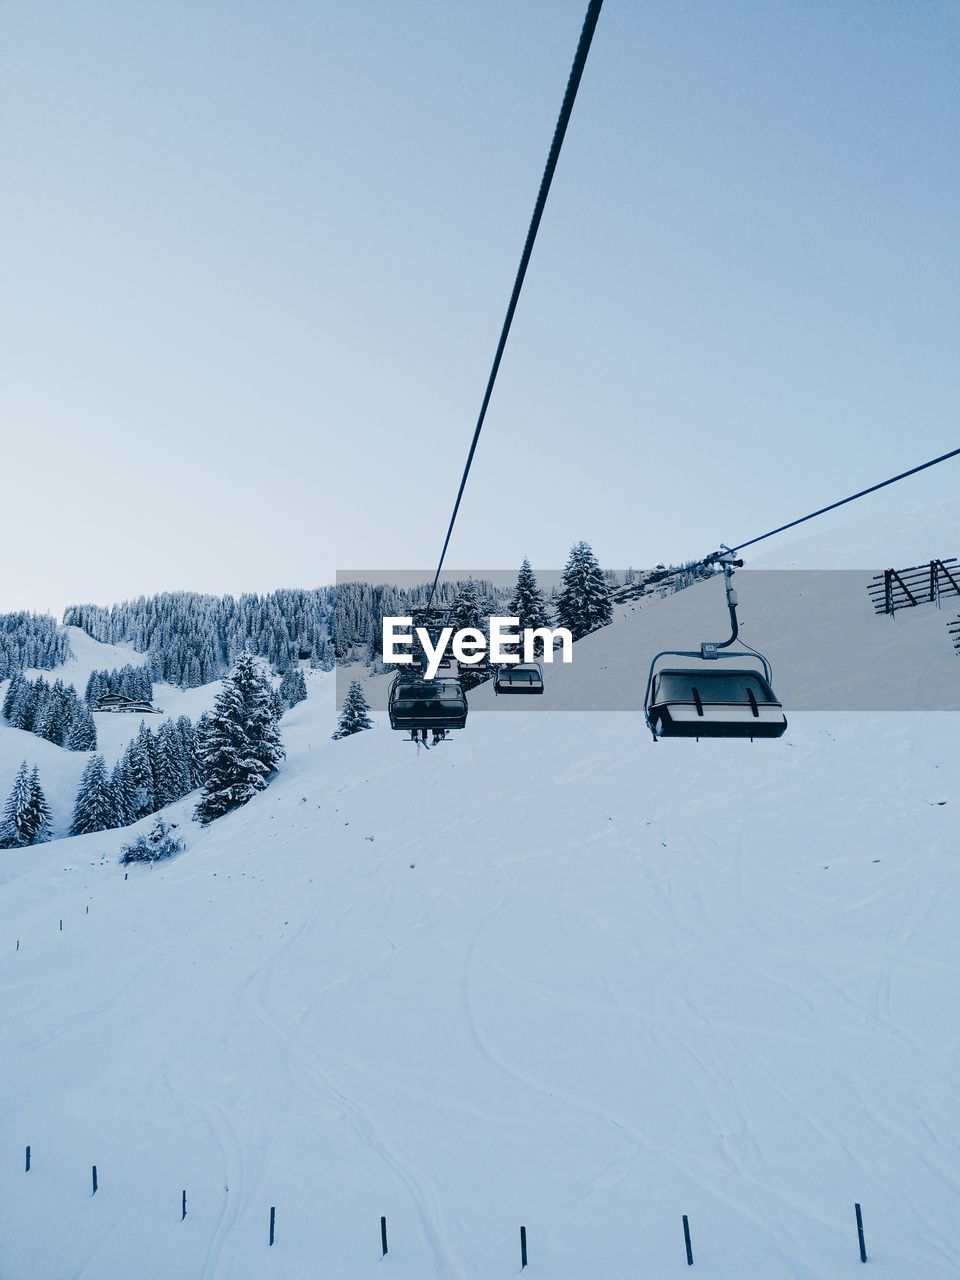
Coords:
687,1243
688,1246
86,913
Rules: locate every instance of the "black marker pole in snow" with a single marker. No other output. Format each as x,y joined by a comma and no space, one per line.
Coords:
26,1168
183,1205
273,1224
686,1240
523,1247
863,1247
383,1236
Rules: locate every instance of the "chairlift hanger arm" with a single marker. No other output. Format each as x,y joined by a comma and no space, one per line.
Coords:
725,558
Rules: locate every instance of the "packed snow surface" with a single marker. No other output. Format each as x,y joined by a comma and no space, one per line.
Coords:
546,973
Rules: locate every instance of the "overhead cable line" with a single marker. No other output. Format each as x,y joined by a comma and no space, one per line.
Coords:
573,84
841,503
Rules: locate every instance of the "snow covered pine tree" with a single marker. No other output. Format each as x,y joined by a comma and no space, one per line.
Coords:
26,817
527,604
23,697
154,845
40,824
293,687
95,809
13,826
354,714
188,737
468,609
139,761
240,747
171,772
584,602
121,784
15,690
83,732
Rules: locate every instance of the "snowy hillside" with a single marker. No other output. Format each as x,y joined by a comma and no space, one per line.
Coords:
859,539
548,973
60,770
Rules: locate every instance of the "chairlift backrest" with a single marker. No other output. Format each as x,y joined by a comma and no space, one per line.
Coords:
522,678
713,686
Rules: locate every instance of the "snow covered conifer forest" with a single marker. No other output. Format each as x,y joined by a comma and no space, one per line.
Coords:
30,640
193,639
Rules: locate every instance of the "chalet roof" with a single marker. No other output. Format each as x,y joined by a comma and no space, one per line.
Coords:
122,700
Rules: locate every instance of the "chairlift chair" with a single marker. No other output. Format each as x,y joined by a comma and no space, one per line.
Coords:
698,701
522,677
418,704
686,702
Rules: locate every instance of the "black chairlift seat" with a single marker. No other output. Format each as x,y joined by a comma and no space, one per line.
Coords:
524,677
699,703
426,704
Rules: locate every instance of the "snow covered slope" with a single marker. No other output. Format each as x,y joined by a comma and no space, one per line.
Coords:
859,539
91,655
548,973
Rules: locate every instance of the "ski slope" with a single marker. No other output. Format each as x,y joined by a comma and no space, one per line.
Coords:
547,973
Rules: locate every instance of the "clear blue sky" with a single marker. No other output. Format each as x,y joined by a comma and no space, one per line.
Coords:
255,257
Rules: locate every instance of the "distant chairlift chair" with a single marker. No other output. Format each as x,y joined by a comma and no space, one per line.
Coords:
524,677
697,702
